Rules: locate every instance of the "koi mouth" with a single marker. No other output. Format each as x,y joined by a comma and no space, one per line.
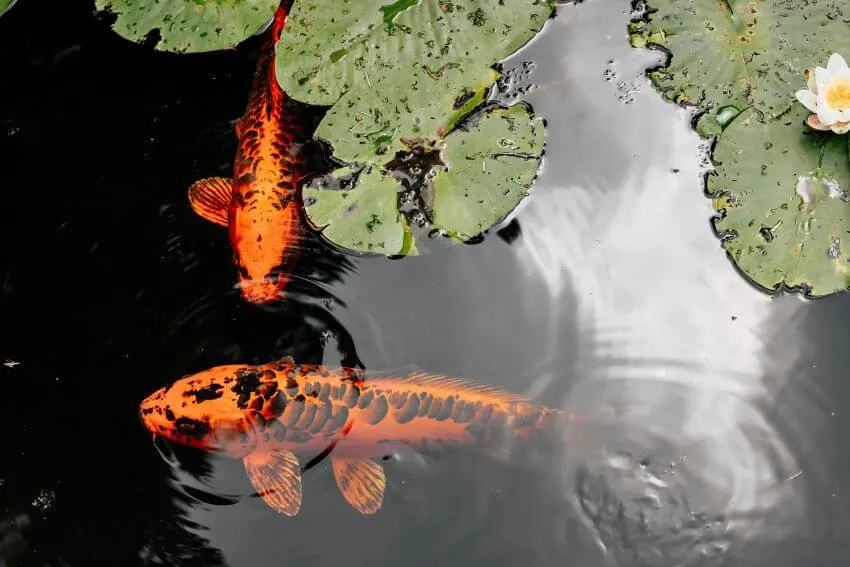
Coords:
267,290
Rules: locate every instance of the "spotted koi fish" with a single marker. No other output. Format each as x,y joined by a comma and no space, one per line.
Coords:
260,206
265,414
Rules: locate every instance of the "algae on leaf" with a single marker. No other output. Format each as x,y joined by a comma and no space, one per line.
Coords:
490,169
782,192
736,54
190,25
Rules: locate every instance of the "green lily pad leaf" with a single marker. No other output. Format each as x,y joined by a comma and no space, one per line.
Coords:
399,70
740,53
364,218
371,126
782,193
5,5
400,76
190,25
490,169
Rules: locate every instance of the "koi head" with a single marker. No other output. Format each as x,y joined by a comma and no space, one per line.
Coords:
263,290
266,250
216,410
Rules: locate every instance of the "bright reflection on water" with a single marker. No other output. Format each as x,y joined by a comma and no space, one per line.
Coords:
674,339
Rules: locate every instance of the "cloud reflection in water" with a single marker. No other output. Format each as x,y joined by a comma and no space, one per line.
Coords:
674,339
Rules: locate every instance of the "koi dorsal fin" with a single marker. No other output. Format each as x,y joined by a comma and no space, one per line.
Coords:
276,476
210,199
461,385
361,481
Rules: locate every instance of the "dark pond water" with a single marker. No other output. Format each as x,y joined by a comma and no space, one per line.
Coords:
725,441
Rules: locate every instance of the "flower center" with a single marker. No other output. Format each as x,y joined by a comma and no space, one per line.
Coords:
838,95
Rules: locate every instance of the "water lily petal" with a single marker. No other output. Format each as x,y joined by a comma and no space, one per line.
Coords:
811,83
815,124
843,115
822,78
826,114
836,64
808,98
840,127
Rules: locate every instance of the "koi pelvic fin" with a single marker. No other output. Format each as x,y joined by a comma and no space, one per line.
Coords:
361,481
210,199
276,476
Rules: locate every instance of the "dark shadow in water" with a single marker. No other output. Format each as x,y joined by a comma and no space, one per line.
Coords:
809,410
108,279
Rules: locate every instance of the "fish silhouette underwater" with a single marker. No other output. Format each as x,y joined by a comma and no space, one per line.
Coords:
266,414
261,205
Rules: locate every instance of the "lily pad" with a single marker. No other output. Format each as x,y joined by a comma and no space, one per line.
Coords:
488,166
398,70
782,192
730,55
490,169
190,25
5,5
401,75
364,218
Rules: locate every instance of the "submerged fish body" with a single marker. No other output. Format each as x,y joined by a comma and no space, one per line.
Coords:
266,414
260,205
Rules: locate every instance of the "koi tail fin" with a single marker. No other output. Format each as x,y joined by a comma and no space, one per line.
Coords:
279,20
267,62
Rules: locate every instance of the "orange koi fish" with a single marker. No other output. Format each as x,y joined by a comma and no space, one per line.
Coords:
260,206
265,414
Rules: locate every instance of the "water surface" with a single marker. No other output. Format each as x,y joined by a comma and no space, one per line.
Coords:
607,292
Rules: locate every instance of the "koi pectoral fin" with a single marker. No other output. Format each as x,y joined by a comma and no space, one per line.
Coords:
361,481
276,476
210,199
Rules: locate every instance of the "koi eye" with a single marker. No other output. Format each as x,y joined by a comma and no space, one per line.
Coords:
192,427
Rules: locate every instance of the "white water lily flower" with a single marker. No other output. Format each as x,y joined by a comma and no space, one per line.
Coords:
828,96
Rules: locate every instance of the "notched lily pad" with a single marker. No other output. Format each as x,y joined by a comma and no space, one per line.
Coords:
782,192
490,169
190,25
730,55
475,177
358,210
